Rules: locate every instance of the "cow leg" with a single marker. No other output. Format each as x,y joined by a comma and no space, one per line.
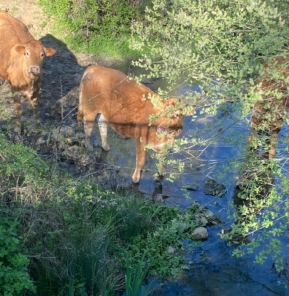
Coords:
140,160
102,125
161,164
79,118
17,105
88,129
273,143
252,137
34,104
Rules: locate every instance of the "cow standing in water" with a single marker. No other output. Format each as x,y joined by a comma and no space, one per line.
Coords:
268,114
21,60
127,106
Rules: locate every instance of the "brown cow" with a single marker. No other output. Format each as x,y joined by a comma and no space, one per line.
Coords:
127,107
21,60
269,113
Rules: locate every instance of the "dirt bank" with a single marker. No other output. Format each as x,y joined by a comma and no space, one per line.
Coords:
58,138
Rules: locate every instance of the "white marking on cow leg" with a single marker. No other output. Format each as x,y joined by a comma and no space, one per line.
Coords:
88,129
102,125
17,105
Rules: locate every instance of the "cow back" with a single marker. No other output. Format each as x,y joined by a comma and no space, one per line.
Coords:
121,100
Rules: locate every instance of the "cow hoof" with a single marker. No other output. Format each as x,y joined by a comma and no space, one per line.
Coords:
105,148
135,179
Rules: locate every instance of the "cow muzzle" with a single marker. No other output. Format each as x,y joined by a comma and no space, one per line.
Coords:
35,70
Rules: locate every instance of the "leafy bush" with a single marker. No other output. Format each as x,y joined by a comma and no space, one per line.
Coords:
134,278
14,277
80,238
100,27
220,46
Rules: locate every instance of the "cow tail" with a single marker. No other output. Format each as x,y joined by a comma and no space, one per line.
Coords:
83,81
80,109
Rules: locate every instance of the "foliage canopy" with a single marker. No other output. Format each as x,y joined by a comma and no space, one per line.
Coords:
101,27
220,46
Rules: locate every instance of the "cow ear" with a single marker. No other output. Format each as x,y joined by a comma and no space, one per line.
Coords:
49,51
20,49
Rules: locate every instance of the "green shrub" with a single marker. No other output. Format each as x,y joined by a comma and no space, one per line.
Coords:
99,27
81,239
14,277
134,279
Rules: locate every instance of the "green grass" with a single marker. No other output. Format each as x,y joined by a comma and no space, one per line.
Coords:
99,27
81,239
102,45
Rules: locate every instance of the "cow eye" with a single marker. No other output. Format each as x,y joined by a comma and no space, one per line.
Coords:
26,53
42,55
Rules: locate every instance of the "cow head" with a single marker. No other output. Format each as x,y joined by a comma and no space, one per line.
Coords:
175,110
169,122
32,56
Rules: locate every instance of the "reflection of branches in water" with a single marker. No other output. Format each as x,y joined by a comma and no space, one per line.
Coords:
254,192
199,137
251,193
267,118
257,282
196,148
269,113
255,189
246,278
284,272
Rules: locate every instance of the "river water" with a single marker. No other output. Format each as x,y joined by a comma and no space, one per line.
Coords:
213,271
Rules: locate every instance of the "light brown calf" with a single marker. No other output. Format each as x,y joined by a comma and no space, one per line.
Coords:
21,60
127,106
269,114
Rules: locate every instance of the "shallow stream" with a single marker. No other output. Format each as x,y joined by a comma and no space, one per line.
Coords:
213,270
